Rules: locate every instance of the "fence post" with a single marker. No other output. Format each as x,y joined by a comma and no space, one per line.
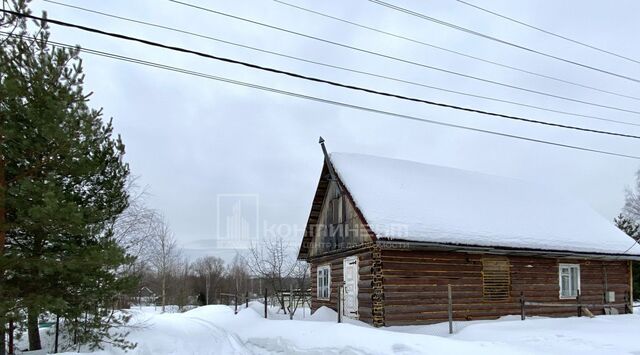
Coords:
450,309
235,304
57,334
246,298
291,298
11,331
265,302
340,304
3,330
628,306
522,315
579,304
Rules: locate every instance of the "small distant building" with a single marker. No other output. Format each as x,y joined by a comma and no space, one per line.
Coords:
146,297
396,233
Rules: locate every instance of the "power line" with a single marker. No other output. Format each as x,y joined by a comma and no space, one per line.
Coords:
339,103
628,249
479,34
549,32
413,40
316,79
339,67
382,55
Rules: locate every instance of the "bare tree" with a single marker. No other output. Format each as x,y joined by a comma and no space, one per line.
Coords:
632,202
238,274
164,256
211,269
184,283
299,285
274,263
134,229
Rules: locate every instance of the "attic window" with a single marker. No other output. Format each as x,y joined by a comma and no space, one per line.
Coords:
496,279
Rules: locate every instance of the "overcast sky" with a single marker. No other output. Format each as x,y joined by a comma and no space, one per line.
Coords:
192,139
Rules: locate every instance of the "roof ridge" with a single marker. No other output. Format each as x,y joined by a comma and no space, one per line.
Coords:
448,167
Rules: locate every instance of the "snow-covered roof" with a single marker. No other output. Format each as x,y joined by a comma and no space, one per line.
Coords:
427,203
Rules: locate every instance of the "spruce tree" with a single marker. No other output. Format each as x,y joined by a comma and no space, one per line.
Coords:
628,226
632,229
62,184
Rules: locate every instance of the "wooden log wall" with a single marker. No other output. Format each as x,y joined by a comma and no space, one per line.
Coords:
415,286
365,289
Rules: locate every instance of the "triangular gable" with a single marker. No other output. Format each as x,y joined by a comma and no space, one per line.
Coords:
319,206
316,207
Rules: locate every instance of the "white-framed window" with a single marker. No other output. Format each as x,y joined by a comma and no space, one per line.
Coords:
324,282
569,279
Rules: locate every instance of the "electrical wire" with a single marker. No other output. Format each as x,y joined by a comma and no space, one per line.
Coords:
382,55
495,39
413,40
549,32
339,103
173,29
317,79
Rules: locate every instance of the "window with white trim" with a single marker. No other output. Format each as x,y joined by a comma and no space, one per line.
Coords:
323,282
569,278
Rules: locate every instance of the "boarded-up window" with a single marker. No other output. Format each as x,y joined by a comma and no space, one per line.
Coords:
334,217
495,279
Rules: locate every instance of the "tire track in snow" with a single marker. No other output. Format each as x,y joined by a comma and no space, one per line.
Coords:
233,339
280,345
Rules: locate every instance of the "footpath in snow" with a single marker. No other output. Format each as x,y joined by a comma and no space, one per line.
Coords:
217,330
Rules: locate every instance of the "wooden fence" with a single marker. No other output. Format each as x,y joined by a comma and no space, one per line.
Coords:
580,307
300,297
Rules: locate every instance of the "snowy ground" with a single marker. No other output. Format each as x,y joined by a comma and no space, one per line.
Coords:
216,330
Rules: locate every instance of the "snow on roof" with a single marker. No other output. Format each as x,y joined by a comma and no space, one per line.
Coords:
427,203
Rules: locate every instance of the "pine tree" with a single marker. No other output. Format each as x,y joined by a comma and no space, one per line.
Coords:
632,229
628,226
62,184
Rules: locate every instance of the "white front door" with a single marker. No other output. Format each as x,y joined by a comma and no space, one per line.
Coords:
350,294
